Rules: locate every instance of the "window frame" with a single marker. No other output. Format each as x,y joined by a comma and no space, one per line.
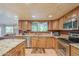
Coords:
38,26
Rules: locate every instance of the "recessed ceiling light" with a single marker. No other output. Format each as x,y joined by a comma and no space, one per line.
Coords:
50,16
33,16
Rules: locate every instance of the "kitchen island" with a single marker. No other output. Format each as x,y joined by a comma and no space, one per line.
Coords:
39,41
12,47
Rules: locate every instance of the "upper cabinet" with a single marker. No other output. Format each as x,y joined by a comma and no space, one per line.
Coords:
71,24
28,25
70,20
50,25
55,24
24,25
60,25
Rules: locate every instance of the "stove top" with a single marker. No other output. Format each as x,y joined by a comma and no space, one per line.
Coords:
65,40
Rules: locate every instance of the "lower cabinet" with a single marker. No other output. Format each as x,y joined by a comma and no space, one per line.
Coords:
34,42
17,51
42,42
49,43
74,51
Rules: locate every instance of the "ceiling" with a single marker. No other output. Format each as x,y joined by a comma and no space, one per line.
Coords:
27,11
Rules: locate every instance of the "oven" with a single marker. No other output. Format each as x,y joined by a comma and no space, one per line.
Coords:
63,48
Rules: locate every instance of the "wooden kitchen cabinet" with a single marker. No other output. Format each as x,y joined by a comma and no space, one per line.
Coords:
74,51
17,51
38,42
34,42
20,25
42,42
55,24
49,42
61,22
50,25
66,17
55,44
24,25
28,25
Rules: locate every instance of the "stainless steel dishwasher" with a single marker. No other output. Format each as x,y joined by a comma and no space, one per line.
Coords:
27,41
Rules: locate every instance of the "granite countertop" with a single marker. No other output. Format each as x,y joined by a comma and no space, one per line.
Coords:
7,44
75,45
36,35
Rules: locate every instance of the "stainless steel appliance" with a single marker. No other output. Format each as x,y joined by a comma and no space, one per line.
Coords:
74,37
27,41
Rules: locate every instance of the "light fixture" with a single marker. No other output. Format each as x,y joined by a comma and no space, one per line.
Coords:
33,16
50,16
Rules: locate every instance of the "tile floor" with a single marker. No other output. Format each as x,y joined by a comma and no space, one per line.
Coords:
48,52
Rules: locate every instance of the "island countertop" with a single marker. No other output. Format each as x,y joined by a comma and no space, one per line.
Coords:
8,44
76,45
39,36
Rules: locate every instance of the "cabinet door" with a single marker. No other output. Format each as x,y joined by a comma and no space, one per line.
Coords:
20,24
42,42
28,25
34,42
53,42
74,51
61,22
23,25
49,43
55,25
50,25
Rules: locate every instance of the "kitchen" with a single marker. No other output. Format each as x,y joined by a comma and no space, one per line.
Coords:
50,29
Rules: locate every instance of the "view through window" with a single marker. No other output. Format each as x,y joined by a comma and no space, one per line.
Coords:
9,29
39,26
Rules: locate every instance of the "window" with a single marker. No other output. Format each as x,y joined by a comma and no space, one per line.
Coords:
39,26
9,29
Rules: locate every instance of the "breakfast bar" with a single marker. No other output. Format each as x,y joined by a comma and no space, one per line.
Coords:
9,47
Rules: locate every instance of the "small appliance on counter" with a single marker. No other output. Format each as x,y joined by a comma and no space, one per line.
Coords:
56,33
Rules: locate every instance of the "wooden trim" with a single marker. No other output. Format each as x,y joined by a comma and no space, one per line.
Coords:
37,20
39,32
